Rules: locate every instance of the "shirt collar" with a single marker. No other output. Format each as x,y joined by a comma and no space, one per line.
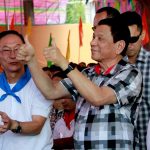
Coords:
112,69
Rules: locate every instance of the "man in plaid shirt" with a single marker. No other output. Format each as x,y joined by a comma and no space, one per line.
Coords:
139,56
107,94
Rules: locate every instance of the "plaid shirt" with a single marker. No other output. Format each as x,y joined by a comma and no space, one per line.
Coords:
109,126
143,63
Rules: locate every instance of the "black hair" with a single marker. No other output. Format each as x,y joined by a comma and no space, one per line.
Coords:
132,18
46,69
111,12
119,31
8,32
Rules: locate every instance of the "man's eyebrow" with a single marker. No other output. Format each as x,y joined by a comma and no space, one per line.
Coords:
100,34
17,44
14,45
5,46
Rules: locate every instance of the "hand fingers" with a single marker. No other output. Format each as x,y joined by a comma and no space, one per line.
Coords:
5,118
27,43
54,43
21,53
2,131
3,128
3,114
27,40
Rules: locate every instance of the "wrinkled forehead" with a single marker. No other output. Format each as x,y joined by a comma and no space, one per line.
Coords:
10,40
102,29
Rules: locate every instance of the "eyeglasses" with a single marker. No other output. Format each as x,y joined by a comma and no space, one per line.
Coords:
135,38
8,50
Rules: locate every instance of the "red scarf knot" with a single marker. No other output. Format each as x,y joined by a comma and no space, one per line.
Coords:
68,117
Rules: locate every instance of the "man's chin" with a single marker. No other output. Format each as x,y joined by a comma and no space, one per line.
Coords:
130,54
15,68
94,58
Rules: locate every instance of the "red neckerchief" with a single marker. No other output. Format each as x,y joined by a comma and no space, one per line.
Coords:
68,117
97,69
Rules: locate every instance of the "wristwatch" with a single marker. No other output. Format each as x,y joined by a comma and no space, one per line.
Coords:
70,67
17,129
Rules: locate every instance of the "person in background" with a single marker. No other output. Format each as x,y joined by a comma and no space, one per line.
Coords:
47,71
103,13
141,58
64,127
51,70
57,111
54,69
90,65
107,100
80,67
82,64
148,137
62,121
23,109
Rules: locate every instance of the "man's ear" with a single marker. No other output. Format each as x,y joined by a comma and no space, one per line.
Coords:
144,37
120,45
143,34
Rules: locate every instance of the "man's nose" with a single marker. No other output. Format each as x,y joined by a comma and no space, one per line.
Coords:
13,53
130,45
63,100
94,41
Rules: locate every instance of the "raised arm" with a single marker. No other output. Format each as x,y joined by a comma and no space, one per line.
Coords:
42,80
91,92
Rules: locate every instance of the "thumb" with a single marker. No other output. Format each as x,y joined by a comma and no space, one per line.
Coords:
27,40
54,43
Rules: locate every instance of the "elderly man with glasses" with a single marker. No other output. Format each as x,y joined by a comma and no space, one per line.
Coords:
24,122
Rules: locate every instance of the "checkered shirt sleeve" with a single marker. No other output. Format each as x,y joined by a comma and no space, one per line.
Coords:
109,126
143,63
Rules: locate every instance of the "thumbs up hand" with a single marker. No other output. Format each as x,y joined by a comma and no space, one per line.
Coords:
26,51
53,54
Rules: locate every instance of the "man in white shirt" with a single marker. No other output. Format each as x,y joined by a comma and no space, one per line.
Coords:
23,109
